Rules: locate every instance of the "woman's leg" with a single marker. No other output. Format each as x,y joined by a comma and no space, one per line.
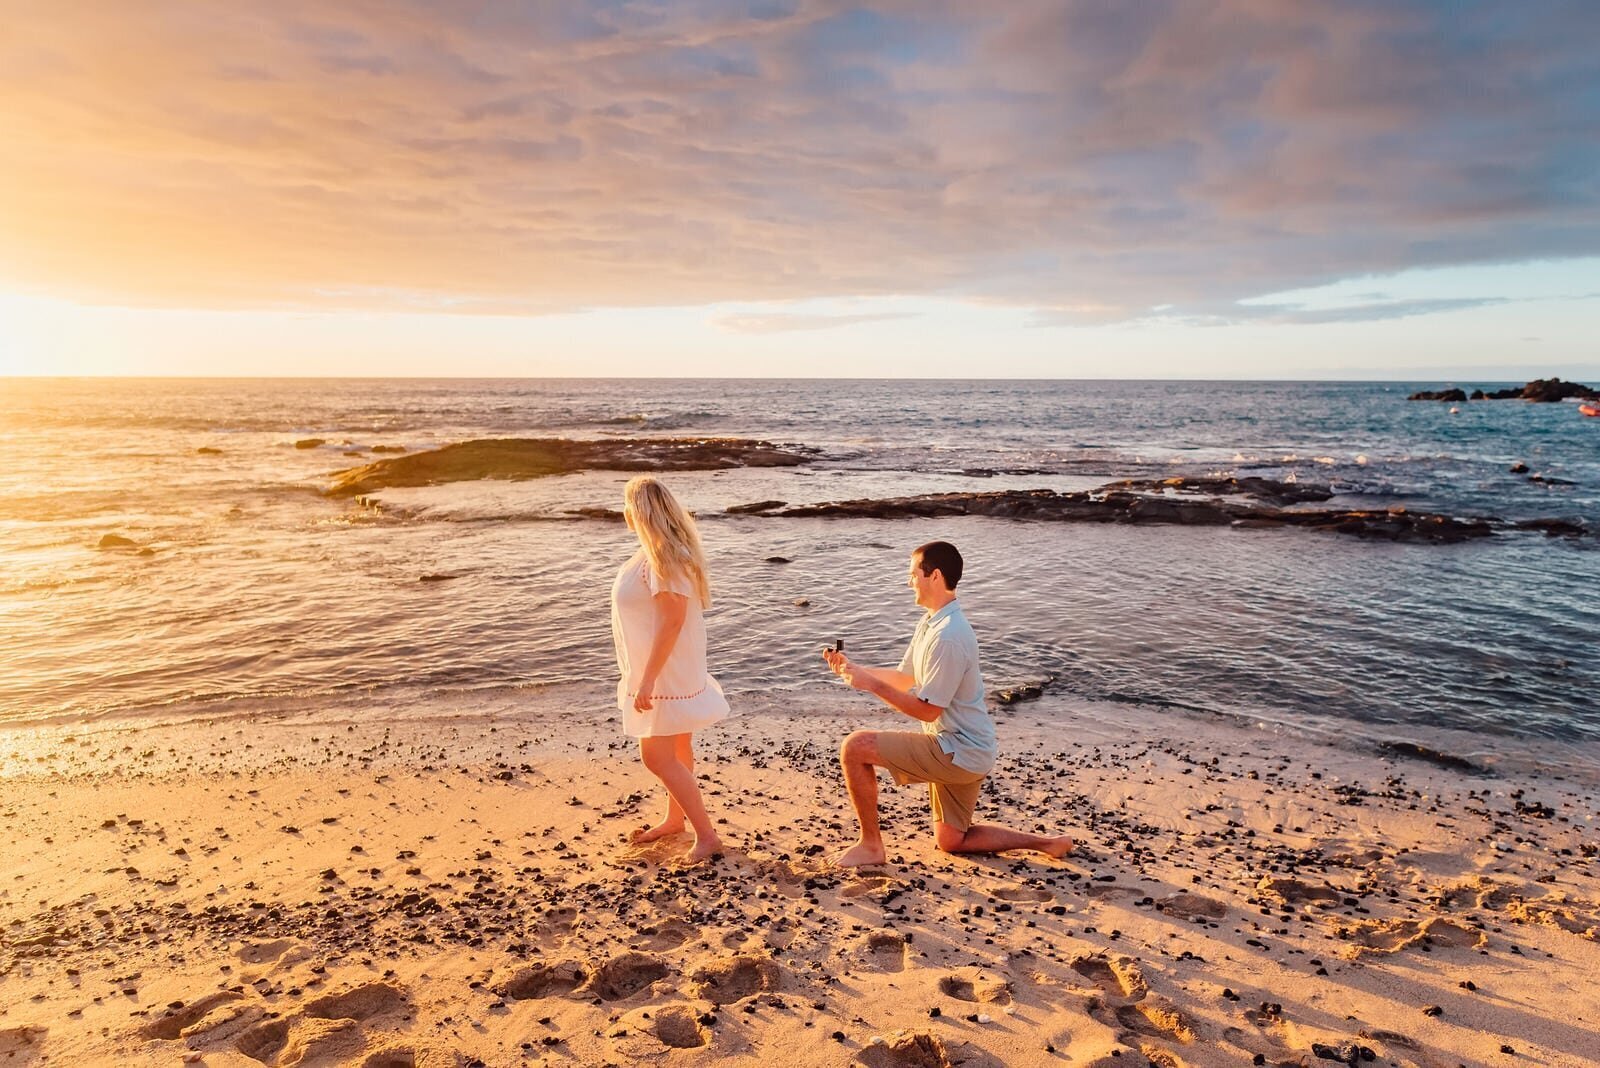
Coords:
665,759
672,822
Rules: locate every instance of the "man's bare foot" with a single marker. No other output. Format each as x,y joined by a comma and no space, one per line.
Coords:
1059,847
860,855
642,835
704,849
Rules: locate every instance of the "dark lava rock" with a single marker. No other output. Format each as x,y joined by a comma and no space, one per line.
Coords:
1395,524
525,458
1431,756
388,448
207,450
1540,391
1554,528
1267,490
310,443
117,541
1551,480
1519,468
1551,390
1028,691
609,515
757,508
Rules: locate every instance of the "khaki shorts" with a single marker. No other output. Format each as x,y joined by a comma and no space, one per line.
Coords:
912,756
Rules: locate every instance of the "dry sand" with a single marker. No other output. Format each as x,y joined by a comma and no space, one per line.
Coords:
459,892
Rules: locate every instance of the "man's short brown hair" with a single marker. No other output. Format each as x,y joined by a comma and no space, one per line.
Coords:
942,557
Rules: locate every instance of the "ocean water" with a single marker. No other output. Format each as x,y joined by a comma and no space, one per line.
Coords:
261,594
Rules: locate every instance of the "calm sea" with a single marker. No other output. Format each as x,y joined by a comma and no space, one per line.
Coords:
261,594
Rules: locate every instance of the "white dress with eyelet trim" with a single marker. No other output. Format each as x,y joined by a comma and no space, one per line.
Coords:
686,697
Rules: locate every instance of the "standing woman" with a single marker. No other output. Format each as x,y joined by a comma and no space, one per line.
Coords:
665,693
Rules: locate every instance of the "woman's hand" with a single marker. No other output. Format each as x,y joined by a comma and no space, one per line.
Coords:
642,701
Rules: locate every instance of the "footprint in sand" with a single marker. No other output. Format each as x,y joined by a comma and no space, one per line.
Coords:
201,1016
922,1050
329,1028
1161,1058
1478,892
1574,917
971,984
362,1003
19,1044
867,884
1028,894
787,879
1118,976
1101,891
410,1057
1192,907
1280,1035
669,935
265,1041
887,951
729,979
1298,892
652,1032
1392,936
1155,1020
544,981
557,921
624,976
282,950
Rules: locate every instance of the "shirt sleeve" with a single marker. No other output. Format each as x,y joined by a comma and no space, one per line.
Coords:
661,584
947,666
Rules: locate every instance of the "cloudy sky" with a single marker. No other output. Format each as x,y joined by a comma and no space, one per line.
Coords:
1191,188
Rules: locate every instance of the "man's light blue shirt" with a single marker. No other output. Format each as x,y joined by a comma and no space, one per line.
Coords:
943,658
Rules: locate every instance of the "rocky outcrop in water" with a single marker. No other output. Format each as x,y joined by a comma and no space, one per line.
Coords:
1540,391
524,458
1118,506
1267,490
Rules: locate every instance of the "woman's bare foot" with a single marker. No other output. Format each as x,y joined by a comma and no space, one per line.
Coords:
704,849
642,835
860,855
1059,847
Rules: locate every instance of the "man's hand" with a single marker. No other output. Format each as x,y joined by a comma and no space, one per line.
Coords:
857,678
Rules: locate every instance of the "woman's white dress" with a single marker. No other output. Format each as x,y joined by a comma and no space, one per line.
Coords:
686,697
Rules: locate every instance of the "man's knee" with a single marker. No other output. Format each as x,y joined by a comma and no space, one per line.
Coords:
947,838
860,747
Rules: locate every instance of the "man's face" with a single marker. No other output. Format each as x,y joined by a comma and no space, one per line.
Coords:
921,585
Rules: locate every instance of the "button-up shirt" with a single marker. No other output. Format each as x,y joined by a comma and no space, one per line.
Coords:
943,658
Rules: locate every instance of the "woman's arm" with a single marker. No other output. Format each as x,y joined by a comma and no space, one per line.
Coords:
671,610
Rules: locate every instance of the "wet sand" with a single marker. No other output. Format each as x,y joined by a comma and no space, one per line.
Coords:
461,892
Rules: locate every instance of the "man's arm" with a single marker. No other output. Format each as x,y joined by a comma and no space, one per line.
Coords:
898,679
890,687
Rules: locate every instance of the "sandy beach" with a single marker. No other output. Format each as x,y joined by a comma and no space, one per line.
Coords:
460,892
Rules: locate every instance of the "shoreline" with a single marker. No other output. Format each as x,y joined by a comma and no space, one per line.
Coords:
431,891
587,706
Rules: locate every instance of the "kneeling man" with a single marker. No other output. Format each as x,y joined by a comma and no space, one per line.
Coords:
939,684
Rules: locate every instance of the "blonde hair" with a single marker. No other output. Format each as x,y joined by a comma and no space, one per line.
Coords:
667,532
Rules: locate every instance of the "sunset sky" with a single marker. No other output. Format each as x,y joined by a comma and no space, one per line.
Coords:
1239,188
